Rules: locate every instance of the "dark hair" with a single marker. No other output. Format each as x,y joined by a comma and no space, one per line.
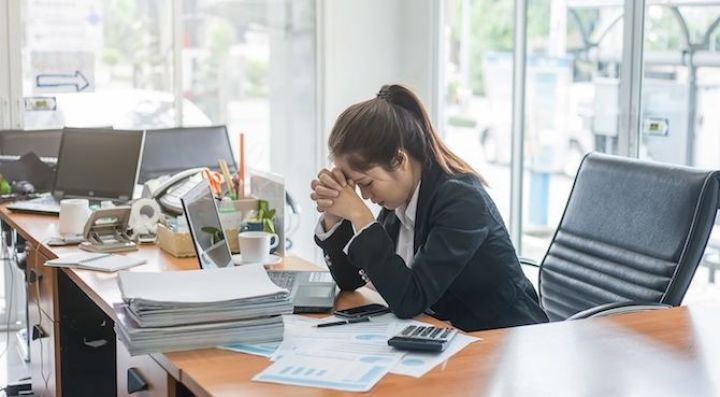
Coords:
371,133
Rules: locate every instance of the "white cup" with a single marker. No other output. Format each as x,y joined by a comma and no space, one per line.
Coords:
74,213
255,246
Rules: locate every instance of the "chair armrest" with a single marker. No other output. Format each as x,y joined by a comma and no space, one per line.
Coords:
617,308
529,262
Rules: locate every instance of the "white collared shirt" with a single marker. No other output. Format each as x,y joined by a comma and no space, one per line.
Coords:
406,238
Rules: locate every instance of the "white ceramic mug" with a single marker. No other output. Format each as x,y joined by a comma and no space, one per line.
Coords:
255,246
74,213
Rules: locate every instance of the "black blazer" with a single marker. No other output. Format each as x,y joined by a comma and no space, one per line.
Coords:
465,269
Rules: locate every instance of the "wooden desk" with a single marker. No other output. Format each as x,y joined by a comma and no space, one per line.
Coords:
665,352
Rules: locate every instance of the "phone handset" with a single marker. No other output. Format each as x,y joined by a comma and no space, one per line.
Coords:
167,191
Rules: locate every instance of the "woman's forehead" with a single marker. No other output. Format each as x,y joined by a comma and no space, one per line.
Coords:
354,174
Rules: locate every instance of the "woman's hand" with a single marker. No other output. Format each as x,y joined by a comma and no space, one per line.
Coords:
325,189
349,205
335,196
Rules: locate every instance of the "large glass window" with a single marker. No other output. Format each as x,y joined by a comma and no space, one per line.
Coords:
574,52
246,63
478,99
571,99
99,63
681,89
252,66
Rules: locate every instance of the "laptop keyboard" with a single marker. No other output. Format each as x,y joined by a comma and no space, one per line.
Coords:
45,200
283,279
45,204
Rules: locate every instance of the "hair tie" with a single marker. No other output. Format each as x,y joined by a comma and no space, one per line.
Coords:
384,94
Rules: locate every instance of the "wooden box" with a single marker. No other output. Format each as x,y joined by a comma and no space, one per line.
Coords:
176,244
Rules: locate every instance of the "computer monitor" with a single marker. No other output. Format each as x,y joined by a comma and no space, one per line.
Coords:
206,230
171,150
44,143
98,163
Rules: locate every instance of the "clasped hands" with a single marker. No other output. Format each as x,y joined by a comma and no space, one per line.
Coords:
336,197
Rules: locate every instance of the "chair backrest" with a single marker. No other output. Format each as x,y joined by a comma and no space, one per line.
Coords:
631,231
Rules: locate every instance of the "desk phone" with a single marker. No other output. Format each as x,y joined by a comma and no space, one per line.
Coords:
168,190
415,337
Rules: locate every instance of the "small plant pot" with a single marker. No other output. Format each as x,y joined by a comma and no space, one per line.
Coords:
252,227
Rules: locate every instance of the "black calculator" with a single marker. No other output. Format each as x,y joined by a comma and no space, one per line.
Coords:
415,337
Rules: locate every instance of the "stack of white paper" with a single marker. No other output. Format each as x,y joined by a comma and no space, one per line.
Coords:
171,311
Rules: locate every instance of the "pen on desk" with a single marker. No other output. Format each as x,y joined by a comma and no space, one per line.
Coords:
343,322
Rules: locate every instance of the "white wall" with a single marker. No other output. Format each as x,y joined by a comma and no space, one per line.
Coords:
368,43
4,68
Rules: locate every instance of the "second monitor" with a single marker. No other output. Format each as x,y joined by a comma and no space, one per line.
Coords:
171,150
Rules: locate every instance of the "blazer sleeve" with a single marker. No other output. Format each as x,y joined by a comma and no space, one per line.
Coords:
346,275
458,225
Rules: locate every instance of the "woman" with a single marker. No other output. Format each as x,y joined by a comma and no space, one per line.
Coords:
439,245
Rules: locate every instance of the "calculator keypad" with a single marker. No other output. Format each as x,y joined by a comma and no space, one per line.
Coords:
428,333
415,337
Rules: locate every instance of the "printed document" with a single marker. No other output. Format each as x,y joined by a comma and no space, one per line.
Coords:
329,370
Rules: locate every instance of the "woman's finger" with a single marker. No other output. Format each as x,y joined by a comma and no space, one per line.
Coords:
339,176
323,172
328,181
325,192
324,203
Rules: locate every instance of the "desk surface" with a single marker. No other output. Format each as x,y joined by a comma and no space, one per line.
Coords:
665,352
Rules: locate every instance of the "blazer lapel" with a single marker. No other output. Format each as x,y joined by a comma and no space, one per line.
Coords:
391,223
432,177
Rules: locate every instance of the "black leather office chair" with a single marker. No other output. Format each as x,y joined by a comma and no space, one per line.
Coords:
631,237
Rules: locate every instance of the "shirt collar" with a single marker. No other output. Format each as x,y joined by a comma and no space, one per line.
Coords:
406,213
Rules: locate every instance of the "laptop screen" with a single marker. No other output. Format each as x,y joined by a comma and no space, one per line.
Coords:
205,229
44,143
191,148
98,163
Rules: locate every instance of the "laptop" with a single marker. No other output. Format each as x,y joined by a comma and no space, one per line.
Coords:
158,160
310,291
44,143
98,164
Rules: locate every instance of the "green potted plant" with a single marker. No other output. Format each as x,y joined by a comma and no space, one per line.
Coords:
264,220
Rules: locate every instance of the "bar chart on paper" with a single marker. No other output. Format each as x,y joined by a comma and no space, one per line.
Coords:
339,371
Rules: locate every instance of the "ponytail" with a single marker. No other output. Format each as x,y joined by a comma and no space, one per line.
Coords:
372,132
